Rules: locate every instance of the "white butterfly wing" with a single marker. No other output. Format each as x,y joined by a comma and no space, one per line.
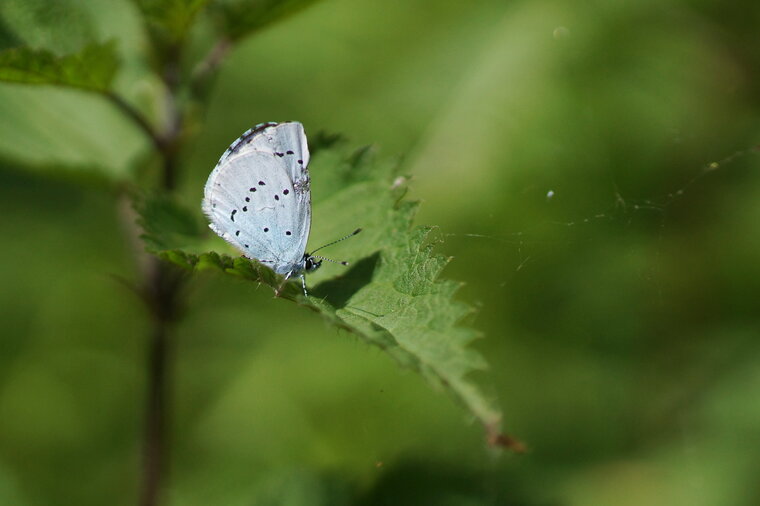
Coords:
283,140
254,202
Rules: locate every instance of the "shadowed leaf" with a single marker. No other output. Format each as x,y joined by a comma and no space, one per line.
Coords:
166,225
92,176
7,37
93,68
62,26
239,18
169,21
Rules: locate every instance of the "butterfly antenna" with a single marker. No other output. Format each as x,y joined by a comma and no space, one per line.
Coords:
335,242
330,259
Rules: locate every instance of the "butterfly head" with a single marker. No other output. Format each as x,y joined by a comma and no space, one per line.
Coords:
310,263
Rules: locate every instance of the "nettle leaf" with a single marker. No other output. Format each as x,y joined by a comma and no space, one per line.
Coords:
63,26
390,296
93,68
88,175
166,225
7,37
169,21
239,18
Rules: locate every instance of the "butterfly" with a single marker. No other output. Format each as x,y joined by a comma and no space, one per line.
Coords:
258,198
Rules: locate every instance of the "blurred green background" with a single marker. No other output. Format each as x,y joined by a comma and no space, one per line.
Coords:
620,314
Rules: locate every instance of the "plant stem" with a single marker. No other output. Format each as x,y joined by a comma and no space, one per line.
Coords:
203,75
136,117
155,415
162,295
162,284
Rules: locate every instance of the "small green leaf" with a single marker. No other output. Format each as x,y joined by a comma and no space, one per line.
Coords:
7,37
166,226
62,26
239,18
390,296
93,68
169,21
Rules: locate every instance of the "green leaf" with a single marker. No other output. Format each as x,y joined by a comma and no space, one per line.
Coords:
63,26
92,176
7,37
169,21
93,68
301,487
166,225
391,295
239,18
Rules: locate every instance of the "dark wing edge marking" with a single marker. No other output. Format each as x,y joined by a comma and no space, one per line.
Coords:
243,139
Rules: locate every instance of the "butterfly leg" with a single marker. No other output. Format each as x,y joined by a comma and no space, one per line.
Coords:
303,284
279,288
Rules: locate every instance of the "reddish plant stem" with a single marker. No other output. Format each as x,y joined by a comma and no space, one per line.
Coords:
162,284
155,416
162,295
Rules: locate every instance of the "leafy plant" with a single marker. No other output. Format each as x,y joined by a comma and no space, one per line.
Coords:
391,297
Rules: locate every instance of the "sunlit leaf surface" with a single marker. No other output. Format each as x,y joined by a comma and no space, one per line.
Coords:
391,296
